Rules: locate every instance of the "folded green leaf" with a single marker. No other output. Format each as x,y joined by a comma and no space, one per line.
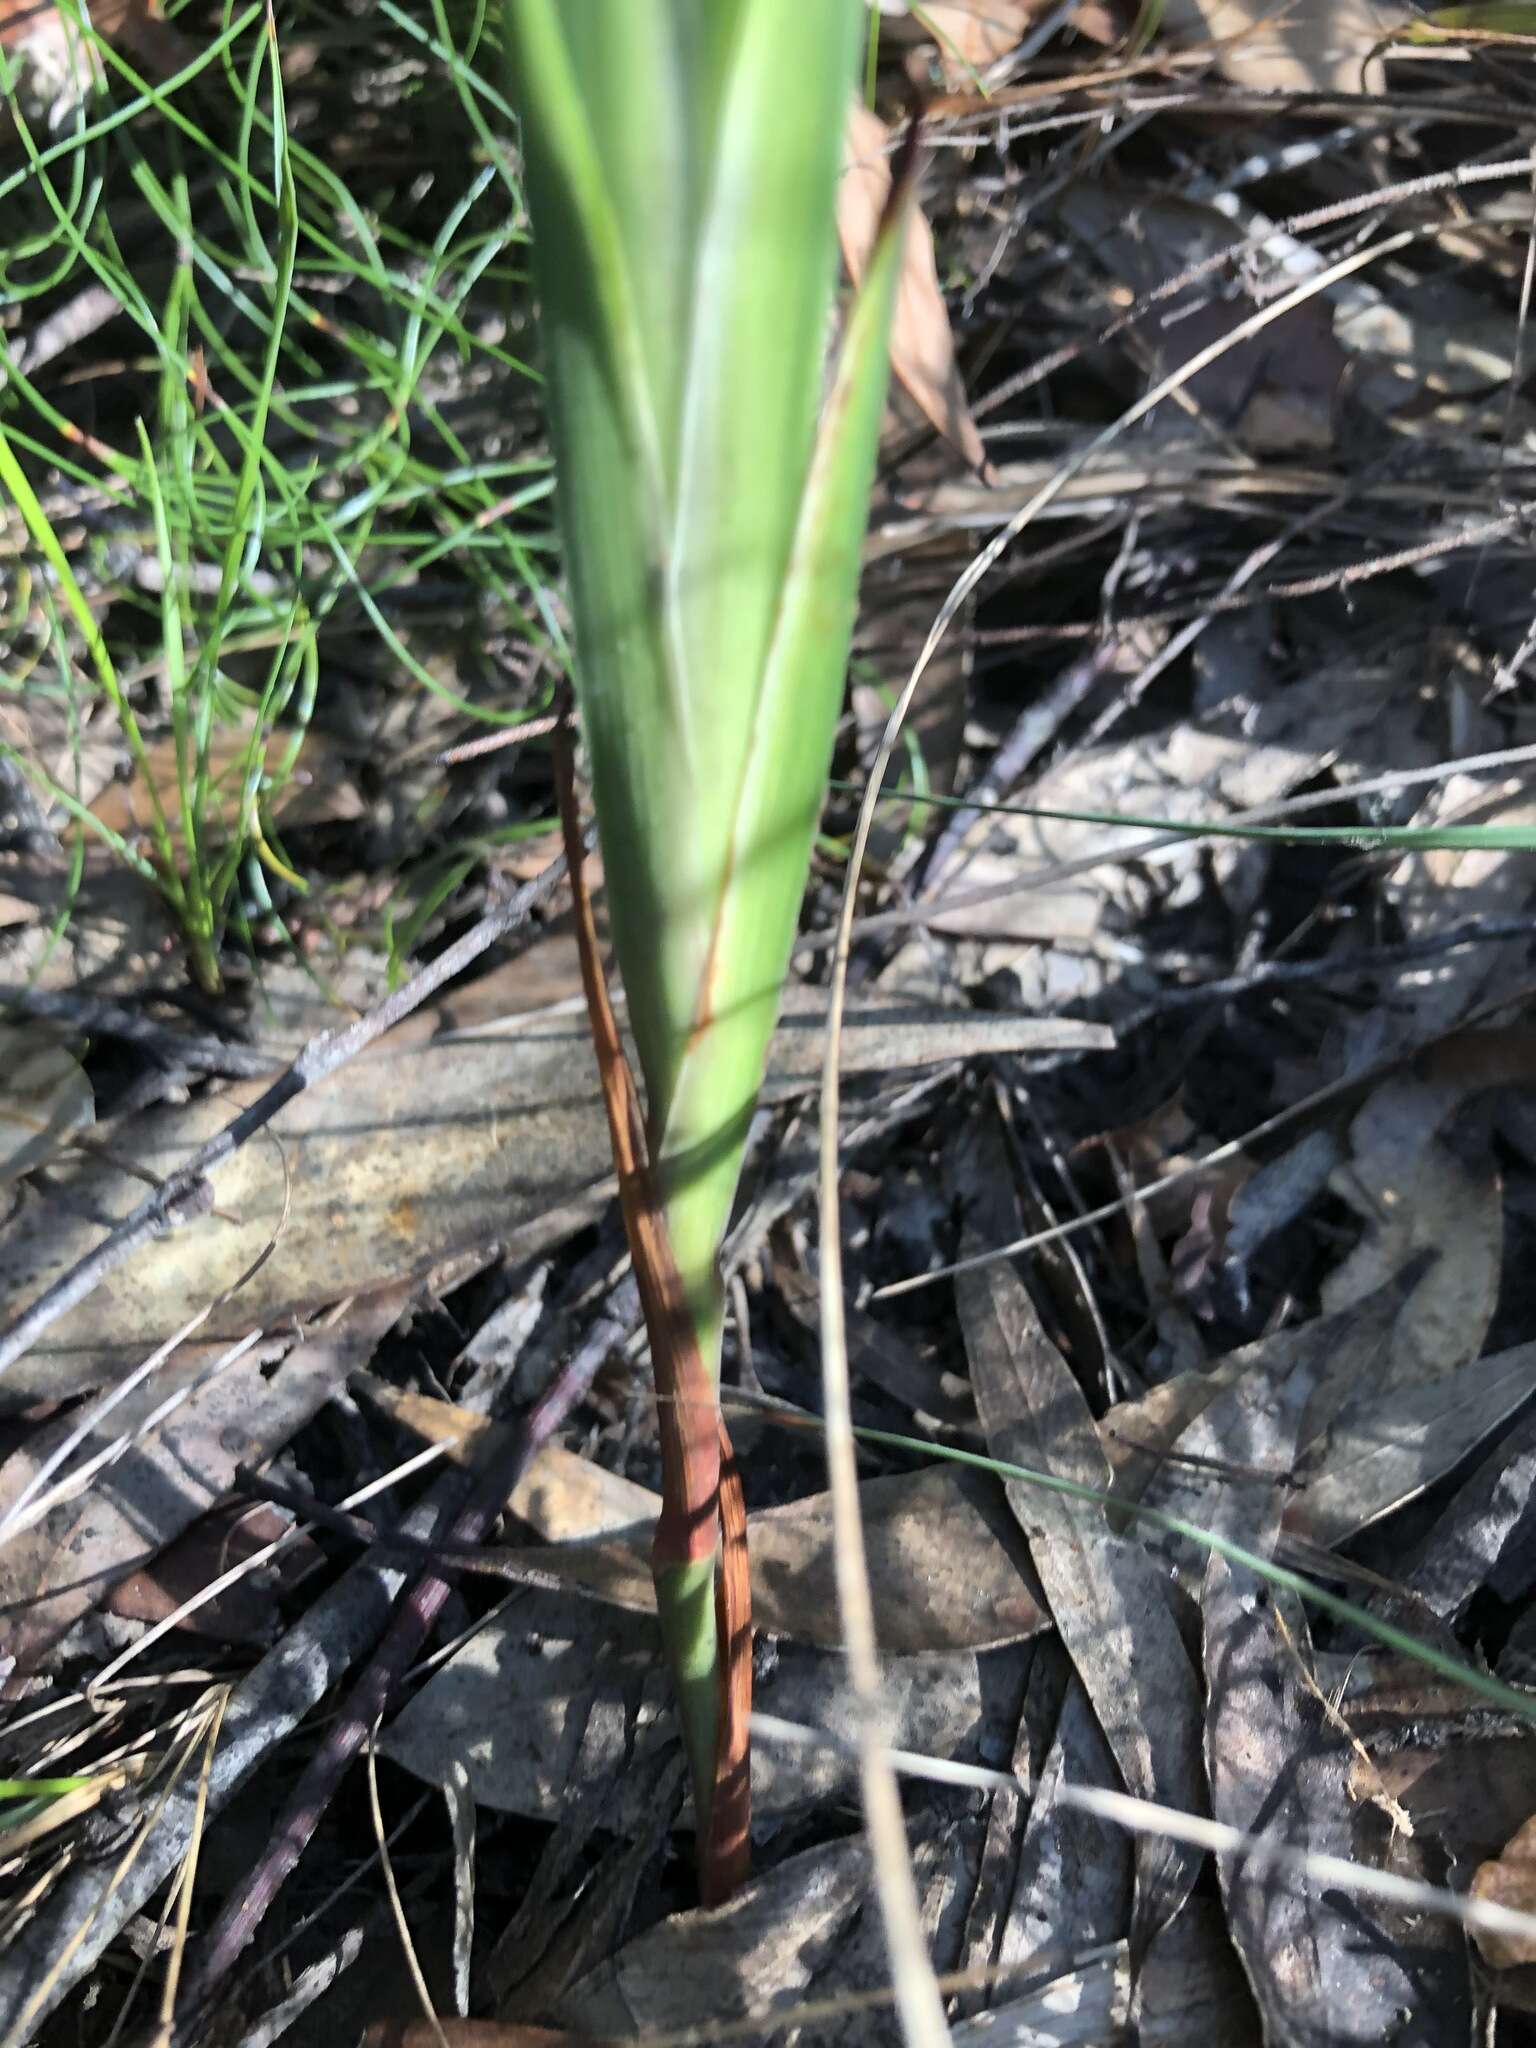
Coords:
682,161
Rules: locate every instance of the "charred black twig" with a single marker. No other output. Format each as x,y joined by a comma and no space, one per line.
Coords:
481,1499
158,1042
1264,974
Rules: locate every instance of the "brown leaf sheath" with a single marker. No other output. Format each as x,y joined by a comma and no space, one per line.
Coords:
701,1481
727,1853
685,1395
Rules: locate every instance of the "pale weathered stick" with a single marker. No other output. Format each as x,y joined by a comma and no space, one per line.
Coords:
187,1192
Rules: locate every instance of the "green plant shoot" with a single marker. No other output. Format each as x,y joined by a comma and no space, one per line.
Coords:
681,160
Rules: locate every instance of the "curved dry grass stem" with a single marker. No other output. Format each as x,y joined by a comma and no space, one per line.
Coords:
917,1995
918,2000
1259,1850
39,1996
188,1880
396,1903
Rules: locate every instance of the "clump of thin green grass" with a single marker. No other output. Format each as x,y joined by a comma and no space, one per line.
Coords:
309,432
204,532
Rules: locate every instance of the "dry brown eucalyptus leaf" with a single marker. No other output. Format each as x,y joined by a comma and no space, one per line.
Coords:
1508,1880
1323,1974
551,1704
947,1570
319,791
59,66
562,1497
973,34
922,345
396,1161
62,1566
244,1611
970,35
1389,1443
1108,1597
1454,884
786,1937
1423,1177
758,1952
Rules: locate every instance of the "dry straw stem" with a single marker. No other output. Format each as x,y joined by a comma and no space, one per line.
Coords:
482,1492
396,1903
89,1907
60,1967
186,1884
1378,200
1347,1085
918,1999
1148,1817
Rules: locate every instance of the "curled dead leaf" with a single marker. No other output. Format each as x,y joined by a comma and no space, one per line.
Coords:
320,790
946,1571
1424,1176
922,345
1508,1879
971,34
1309,46
232,1534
